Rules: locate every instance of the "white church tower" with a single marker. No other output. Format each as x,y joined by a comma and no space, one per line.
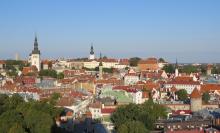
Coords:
176,69
35,56
92,54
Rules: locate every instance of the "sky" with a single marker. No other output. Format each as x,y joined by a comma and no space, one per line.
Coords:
188,30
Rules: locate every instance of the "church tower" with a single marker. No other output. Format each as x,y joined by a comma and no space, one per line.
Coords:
35,56
92,54
176,69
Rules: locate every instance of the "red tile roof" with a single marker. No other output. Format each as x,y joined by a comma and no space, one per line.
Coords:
148,61
95,105
195,94
210,87
2,62
108,110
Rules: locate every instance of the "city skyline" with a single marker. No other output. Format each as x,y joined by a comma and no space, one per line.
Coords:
185,30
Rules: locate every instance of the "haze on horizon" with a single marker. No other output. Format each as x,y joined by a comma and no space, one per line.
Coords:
188,30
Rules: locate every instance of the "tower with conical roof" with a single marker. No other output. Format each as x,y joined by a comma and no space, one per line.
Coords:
35,55
92,54
196,100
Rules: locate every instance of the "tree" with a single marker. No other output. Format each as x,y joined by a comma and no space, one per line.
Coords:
38,122
108,70
48,73
105,57
161,60
182,95
169,68
205,97
32,116
60,76
123,129
189,69
8,119
143,116
14,101
54,97
215,70
134,61
203,69
16,128
132,127
150,112
124,114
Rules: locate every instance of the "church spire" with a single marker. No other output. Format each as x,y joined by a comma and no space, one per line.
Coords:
176,66
36,50
35,43
92,50
92,53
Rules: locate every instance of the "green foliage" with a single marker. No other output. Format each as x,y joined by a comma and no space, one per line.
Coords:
182,95
8,119
60,76
134,61
105,70
150,112
169,68
48,73
54,97
146,114
16,128
108,70
105,57
215,69
189,69
10,64
12,73
38,121
132,127
30,117
3,99
12,102
205,97
203,69
161,60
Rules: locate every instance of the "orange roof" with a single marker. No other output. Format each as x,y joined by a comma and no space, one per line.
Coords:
145,95
95,105
184,78
195,94
148,61
210,87
2,62
173,89
46,62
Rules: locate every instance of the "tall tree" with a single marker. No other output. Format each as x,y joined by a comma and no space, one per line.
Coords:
205,97
169,68
146,114
182,95
134,61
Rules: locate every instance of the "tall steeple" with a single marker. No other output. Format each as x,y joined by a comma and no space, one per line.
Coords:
35,55
36,50
92,53
91,50
176,66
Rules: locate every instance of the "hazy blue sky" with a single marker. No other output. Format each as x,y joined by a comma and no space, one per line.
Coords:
185,29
